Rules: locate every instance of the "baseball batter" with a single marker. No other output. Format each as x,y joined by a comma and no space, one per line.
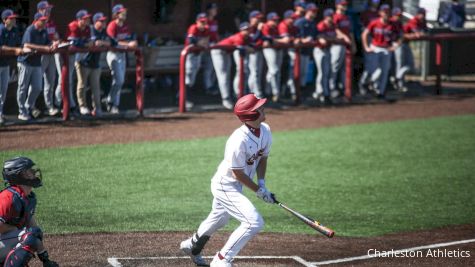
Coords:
245,156
20,236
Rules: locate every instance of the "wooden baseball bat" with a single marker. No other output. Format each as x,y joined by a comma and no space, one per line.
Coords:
309,221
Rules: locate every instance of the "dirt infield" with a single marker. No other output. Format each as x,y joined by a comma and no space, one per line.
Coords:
199,125
95,249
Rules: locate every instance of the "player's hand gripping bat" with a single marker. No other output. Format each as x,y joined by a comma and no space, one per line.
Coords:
309,221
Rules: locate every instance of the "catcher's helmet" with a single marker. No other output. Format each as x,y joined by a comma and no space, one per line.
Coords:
14,172
246,107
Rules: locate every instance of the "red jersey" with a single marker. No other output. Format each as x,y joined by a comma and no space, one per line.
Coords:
213,30
382,33
415,25
197,34
367,16
16,208
119,33
270,31
287,29
51,30
235,39
76,33
342,22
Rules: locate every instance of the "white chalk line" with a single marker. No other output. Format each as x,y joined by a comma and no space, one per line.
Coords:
115,261
365,257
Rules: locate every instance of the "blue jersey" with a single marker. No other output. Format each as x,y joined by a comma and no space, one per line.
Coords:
91,60
37,37
8,38
306,28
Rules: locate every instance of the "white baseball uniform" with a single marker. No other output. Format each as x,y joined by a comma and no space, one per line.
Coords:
243,151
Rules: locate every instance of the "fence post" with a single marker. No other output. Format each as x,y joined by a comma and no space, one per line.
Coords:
241,75
438,66
349,73
65,84
139,90
182,89
297,75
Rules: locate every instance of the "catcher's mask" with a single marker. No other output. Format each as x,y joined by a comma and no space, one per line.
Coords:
21,171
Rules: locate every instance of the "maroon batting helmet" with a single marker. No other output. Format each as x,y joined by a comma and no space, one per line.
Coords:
246,107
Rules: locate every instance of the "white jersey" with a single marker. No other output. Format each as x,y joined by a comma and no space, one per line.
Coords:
243,151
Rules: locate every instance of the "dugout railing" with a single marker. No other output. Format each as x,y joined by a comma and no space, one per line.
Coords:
193,49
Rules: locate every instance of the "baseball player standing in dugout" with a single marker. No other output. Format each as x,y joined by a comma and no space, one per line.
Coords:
245,155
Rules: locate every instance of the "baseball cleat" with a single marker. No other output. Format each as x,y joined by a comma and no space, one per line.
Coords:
227,104
185,246
220,261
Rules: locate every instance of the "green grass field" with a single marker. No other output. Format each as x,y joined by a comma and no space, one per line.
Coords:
360,180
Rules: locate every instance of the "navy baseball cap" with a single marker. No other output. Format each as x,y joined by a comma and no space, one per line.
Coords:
288,14
397,11
244,26
375,1
255,14
202,17
421,10
341,2
328,12
8,14
118,9
272,16
211,6
311,7
82,14
43,5
99,16
385,8
300,3
39,16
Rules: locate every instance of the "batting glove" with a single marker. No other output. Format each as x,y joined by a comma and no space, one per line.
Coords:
265,195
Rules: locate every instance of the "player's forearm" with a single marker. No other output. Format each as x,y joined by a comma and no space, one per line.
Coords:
40,48
8,50
5,228
261,168
364,39
245,180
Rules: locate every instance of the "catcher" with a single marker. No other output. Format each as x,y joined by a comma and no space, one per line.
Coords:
20,236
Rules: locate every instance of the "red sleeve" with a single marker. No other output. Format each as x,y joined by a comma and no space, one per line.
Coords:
73,30
371,26
192,30
5,205
283,29
266,31
321,27
112,29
